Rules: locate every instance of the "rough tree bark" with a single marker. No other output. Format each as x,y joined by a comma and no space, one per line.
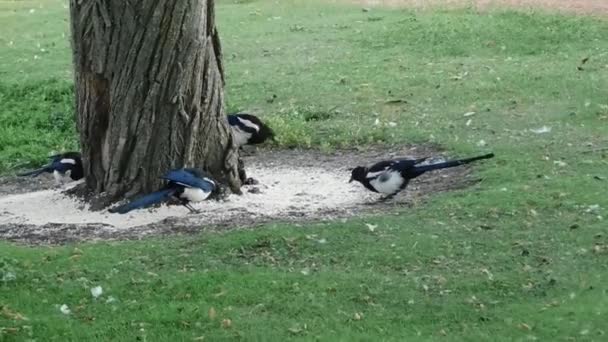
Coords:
149,93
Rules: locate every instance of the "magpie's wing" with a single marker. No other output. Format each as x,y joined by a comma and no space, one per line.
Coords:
71,155
182,177
248,123
201,175
191,178
381,166
72,158
250,117
420,160
403,165
65,161
379,169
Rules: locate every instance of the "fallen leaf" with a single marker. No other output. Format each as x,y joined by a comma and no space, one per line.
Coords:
358,316
8,276
65,309
226,323
488,273
219,294
467,114
96,291
524,326
371,227
295,329
212,314
541,130
10,314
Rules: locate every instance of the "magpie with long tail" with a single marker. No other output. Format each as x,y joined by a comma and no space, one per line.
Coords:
64,167
388,177
186,185
248,129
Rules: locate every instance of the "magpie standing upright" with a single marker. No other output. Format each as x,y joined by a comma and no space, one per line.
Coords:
248,129
63,166
187,185
391,176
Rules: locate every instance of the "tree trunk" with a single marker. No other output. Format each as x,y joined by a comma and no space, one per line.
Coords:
149,93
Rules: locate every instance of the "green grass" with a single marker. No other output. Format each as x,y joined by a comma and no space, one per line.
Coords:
517,257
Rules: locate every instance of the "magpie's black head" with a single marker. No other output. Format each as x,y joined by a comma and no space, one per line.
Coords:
266,132
358,174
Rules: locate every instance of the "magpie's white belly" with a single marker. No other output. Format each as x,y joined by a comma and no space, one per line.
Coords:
240,137
388,182
195,194
61,178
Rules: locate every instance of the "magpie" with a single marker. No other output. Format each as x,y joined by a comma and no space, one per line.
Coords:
63,166
249,129
186,185
391,176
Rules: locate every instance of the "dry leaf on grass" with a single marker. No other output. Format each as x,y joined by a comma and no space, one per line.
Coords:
212,314
65,309
10,314
96,291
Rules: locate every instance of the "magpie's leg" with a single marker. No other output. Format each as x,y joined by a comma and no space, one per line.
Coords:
386,198
189,206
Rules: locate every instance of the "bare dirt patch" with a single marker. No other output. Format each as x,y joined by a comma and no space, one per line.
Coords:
294,186
596,7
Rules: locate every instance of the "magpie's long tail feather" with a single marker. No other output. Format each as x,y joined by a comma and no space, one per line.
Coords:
451,163
145,201
35,173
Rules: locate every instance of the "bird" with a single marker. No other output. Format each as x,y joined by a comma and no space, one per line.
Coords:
63,166
389,177
185,184
248,129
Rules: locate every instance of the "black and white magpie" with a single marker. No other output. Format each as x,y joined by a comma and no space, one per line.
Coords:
248,129
187,185
63,166
391,176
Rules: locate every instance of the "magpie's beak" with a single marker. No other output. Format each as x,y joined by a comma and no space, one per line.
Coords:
351,179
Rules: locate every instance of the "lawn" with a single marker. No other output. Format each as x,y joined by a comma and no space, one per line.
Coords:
522,255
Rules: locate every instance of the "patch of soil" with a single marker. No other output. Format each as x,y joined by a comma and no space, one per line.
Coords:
597,7
294,186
